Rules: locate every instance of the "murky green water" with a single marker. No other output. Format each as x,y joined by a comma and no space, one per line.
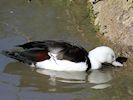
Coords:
22,21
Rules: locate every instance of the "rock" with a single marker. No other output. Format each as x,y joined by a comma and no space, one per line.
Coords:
115,21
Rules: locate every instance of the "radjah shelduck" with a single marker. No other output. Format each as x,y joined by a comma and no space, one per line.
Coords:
63,56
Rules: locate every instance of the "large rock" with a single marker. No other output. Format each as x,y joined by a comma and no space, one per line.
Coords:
115,20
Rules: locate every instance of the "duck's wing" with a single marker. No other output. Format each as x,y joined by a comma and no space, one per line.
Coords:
41,50
51,44
34,44
75,54
30,56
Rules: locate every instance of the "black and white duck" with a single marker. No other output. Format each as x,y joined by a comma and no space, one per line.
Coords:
63,56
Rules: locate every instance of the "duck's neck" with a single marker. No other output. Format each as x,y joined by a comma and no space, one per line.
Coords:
95,64
88,63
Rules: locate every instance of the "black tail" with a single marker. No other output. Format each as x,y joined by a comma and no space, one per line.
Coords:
16,55
121,59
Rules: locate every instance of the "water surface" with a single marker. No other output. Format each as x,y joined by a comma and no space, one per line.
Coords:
22,21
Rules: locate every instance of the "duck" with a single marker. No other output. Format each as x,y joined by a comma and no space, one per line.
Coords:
62,56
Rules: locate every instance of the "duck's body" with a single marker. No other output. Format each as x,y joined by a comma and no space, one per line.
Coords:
62,56
53,55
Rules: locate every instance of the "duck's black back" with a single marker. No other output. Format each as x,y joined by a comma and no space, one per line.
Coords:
38,51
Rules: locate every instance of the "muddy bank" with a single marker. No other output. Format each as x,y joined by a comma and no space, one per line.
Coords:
115,21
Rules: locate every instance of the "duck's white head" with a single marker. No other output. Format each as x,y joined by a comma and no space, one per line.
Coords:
100,55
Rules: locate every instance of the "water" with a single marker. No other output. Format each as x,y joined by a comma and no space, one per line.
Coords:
22,21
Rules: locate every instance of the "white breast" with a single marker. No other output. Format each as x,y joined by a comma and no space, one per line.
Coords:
62,65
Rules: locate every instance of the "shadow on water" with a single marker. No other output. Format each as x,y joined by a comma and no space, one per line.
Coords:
68,20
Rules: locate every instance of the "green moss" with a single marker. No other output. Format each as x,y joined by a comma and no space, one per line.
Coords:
130,1
90,12
92,15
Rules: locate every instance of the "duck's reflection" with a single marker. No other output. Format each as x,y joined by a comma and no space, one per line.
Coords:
96,76
99,77
68,77
49,80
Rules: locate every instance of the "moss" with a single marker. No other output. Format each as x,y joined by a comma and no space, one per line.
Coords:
90,12
92,15
130,1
